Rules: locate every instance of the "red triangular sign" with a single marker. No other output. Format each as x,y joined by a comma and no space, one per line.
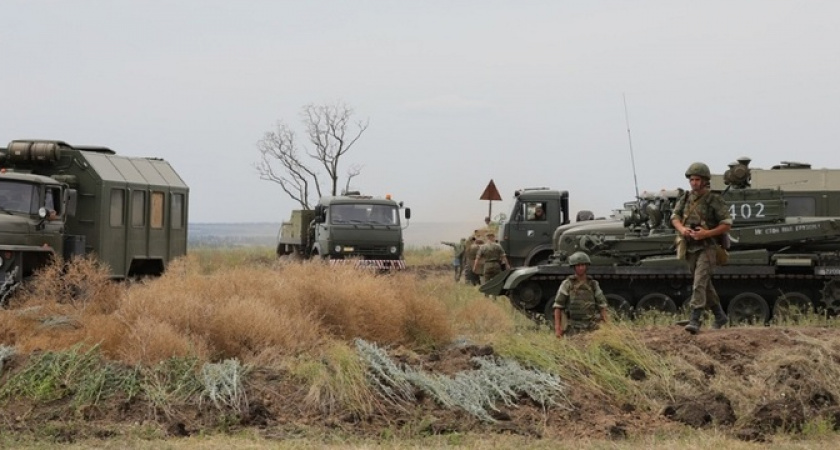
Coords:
490,192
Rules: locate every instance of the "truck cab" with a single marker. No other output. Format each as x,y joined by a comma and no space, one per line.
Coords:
358,226
527,235
352,228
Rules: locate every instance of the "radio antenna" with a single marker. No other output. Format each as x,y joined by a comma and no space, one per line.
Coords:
630,141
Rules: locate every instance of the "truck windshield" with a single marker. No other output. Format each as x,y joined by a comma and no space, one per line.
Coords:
364,213
19,197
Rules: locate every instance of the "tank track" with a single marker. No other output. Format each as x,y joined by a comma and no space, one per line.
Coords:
749,295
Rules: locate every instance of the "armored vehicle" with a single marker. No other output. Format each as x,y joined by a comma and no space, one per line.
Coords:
350,228
785,250
58,199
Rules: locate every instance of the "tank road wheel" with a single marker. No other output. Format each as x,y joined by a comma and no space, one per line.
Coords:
657,302
792,306
748,307
527,295
620,308
831,296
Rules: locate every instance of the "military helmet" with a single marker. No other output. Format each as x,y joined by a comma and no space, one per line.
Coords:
579,258
698,169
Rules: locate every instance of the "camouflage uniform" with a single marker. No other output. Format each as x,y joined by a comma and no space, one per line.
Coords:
582,302
458,249
470,255
706,211
492,254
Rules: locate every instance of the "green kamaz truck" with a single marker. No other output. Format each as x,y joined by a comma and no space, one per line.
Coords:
350,228
68,201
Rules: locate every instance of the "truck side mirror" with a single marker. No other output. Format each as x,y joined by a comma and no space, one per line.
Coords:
408,213
70,200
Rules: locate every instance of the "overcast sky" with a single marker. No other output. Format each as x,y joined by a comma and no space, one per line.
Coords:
527,93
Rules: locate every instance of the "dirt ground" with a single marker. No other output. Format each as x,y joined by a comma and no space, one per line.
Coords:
278,408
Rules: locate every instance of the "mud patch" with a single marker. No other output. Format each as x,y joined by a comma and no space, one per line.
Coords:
706,410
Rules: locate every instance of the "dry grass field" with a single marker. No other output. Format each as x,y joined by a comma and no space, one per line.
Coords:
234,348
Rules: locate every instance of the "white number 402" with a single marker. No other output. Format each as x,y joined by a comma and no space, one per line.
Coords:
747,211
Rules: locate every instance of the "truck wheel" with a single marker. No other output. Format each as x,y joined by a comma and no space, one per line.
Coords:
748,307
527,295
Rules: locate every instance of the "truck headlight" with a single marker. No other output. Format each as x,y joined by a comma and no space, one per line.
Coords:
393,249
337,249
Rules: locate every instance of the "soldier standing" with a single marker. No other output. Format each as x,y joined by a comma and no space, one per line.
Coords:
458,249
580,298
699,217
489,226
470,276
493,256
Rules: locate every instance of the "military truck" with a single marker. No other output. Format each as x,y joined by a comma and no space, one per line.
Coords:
349,228
526,235
785,250
62,200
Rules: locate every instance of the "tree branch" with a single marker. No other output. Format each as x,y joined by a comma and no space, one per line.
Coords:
327,129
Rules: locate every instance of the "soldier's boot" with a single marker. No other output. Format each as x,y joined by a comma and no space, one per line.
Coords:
694,321
721,318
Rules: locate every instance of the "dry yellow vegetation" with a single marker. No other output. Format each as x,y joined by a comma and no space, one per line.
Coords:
256,313
237,340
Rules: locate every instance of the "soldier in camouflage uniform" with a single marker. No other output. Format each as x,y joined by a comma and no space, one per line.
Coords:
471,277
579,300
493,256
700,217
458,249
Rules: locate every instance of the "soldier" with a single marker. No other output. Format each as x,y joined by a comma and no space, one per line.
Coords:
493,256
699,217
471,277
489,226
458,249
538,213
580,298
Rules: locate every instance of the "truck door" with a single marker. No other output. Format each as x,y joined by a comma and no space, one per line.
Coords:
531,226
115,237
157,245
52,230
138,223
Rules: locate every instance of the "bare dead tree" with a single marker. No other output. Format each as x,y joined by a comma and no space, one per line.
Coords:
328,128
352,172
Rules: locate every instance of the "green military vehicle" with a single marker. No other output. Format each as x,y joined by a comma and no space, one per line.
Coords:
526,235
785,249
350,228
68,201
